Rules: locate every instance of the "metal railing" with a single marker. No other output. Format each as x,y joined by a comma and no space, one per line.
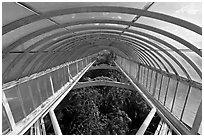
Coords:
26,100
176,98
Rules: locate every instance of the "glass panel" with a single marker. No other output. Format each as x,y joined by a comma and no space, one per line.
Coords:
193,102
159,78
149,80
170,93
84,63
80,65
5,122
48,85
145,77
66,73
55,81
35,92
23,31
61,76
140,74
42,86
180,99
14,103
152,82
26,97
163,89
72,69
132,69
127,66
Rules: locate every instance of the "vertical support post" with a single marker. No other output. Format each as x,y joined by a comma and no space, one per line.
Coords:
32,130
158,128
77,66
8,111
146,123
55,123
197,120
43,126
150,80
164,129
170,131
184,106
138,72
147,77
53,91
37,128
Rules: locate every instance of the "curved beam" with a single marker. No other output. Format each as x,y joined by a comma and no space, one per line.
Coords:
32,18
103,66
154,30
103,83
48,29
160,61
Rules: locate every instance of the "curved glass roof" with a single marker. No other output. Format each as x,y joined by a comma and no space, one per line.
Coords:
166,36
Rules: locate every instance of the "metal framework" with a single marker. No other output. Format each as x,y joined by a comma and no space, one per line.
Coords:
63,57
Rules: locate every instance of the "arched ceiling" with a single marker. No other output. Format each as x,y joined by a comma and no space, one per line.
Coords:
37,36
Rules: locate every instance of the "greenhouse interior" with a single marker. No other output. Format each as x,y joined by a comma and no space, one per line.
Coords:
102,68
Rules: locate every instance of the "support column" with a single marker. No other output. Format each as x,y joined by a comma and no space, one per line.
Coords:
158,128
43,131
55,123
146,123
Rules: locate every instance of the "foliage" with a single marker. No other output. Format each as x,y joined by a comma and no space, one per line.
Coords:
102,110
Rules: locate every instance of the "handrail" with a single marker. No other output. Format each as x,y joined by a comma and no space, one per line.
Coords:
154,89
47,90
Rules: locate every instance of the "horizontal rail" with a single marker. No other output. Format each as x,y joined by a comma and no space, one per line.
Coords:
53,101
103,83
173,98
103,67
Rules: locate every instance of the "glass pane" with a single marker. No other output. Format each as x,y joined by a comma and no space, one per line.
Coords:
145,77
152,82
42,86
14,103
140,74
149,80
66,73
26,97
159,78
5,124
72,69
48,85
180,99
61,77
132,69
80,65
170,93
193,102
84,63
35,92
163,89
55,81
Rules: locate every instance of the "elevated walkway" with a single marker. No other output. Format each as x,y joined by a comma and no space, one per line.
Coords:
26,102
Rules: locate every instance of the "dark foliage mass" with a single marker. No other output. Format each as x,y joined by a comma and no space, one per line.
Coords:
103,110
